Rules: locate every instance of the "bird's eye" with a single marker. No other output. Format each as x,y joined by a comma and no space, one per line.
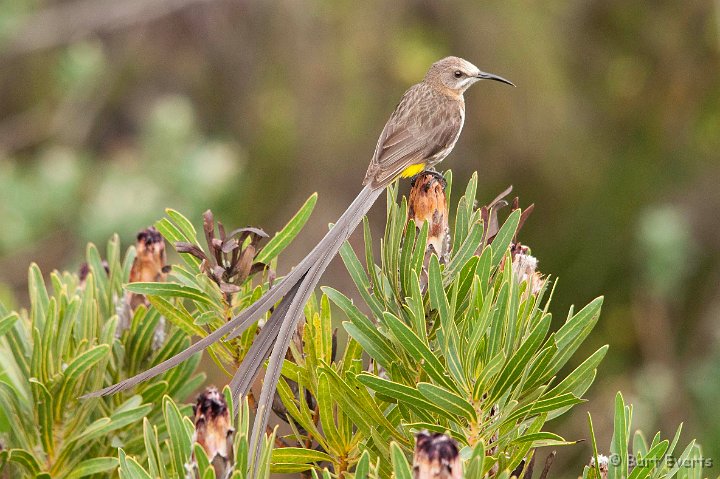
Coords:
458,73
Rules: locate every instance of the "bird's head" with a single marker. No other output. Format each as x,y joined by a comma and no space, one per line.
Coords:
457,74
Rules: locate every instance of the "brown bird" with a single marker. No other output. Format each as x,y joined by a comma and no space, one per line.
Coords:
420,133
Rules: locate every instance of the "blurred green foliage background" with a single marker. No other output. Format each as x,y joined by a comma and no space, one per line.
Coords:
111,111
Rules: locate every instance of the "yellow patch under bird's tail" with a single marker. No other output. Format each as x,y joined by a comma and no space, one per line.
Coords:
412,170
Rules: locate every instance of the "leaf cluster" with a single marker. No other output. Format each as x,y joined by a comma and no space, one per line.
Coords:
633,457
69,343
471,354
178,457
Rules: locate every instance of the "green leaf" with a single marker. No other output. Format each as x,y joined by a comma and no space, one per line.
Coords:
169,290
619,444
24,459
399,462
406,394
93,466
176,314
408,246
588,367
484,268
38,296
415,306
48,335
152,449
360,406
119,419
640,447
301,412
682,461
75,370
173,235
369,259
44,409
202,461
130,469
283,238
325,334
18,415
537,368
67,321
477,457
491,369
359,277
363,330
370,344
447,400
101,280
327,416
184,225
504,237
89,314
466,251
541,439
397,217
516,364
498,318
142,331
363,466
19,347
37,365
649,461
418,256
298,455
179,437
544,405
154,391
569,337
438,298
462,220
265,458
594,447
674,442
418,349
8,322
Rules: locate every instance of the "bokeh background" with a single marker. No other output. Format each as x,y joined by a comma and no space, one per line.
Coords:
112,110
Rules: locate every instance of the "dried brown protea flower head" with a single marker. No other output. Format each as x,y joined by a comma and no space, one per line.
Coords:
428,203
150,258
489,215
213,430
437,456
231,258
149,264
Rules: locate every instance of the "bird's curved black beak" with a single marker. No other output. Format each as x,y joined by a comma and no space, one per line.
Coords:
490,76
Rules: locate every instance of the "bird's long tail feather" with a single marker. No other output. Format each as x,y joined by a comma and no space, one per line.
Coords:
320,258
288,322
261,346
242,321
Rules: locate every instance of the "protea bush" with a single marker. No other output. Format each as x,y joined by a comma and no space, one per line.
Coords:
451,343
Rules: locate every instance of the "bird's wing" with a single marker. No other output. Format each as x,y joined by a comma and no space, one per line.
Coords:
419,128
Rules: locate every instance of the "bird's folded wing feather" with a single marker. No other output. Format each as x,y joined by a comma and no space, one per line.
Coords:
414,133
